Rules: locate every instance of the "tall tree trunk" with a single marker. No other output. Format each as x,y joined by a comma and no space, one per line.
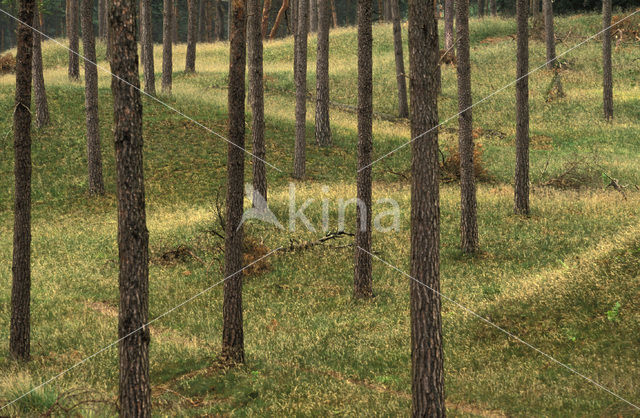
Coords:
521,196
535,10
133,236
300,75
607,77
313,15
256,98
468,201
403,105
108,36
481,6
362,280
147,48
334,14
232,333
94,152
449,12
323,128
209,13
190,66
550,38
276,24
167,48
201,21
426,322
174,22
101,19
494,8
39,91
266,11
74,62
219,18
20,329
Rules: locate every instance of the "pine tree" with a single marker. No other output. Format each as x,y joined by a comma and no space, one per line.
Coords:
323,127
521,196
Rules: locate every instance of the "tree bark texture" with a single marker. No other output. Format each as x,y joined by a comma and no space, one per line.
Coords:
403,104
147,48
192,37
313,15
266,11
281,13
323,127
102,19
39,91
167,47
74,61
426,323
334,14
174,22
481,7
550,37
300,75
521,196
607,77
449,13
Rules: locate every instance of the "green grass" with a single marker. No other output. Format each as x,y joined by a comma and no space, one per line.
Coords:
565,279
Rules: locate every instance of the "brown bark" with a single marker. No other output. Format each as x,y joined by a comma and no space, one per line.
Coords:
535,11
147,47
300,75
426,323
323,127
468,201
607,77
201,21
256,98
167,47
190,65
20,328
39,90
334,14
403,105
209,13
449,13
550,38
232,333
313,16
94,153
101,19
219,25
493,7
521,196
74,61
362,280
266,11
174,22
276,24
108,36
481,7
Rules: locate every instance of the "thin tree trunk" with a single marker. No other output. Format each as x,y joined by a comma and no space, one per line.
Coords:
521,196
323,127
449,13
481,6
39,90
174,22
147,48
256,98
108,36
190,66
313,15
20,329
362,280
468,201
167,48
276,24
537,18
94,152
232,333
426,322
219,17
300,75
101,19
133,236
494,8
209,13
74,62
607,77
266,11
550,39
334,14
403,105
201,21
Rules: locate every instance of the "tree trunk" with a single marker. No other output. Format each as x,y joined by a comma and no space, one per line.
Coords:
174,22
550,39
494,8
19,338
403,105
323,128
147,48
209,14
300,75
537,18
468,202
167,48
39,91
276,24
522,112
265,17
74,62
190,66
256,98
334,14
362,280
313,15
607,77
133,236
101,19
481,6
219,17
232,334
426,323
201,21
94,152
108,36
449,12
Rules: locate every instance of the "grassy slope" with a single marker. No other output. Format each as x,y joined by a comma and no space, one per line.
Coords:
312,350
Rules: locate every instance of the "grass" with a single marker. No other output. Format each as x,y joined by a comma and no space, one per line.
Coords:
564,279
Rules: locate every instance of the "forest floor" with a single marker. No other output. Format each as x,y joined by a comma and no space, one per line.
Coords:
565,279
